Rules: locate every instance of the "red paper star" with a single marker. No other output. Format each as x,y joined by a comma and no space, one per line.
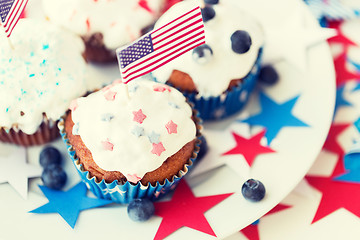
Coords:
185,210
139,116
340,37
331,144
343,75
249,148
252,231
339,167
335,195
171,127
158,148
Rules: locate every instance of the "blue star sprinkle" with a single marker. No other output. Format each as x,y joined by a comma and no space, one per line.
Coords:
75,130
340,100
69,204
133,88
275,116
174,105
138,131
107,117
154,137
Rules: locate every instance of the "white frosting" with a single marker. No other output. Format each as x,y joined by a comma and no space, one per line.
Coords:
213,77
42,74
120,21
105,122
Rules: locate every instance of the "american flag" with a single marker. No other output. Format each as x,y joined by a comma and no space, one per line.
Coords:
161,45
10,11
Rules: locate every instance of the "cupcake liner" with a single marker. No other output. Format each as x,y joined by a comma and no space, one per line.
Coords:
230,102
47,132
125,193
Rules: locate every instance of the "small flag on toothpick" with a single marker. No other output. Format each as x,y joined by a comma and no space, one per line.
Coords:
10,12
161,45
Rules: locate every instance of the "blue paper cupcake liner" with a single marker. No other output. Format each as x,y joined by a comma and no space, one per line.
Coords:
230,102
125,193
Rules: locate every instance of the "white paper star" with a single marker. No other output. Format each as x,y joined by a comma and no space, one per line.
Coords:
15,171
291,40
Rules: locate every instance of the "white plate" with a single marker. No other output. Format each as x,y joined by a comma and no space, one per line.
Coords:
296,149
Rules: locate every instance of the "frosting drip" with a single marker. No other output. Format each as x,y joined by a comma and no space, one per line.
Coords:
136,134
42,74
213,76
120,21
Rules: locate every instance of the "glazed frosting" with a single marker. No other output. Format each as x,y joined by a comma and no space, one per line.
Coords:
42,74
213,77
135,133
120,21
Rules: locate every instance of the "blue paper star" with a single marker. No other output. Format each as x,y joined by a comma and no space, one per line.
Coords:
355,64
356,88
69,204
357,124
340,100
275,116
352,165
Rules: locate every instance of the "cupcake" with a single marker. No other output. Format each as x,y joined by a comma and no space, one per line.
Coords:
39,77
219,75
132,141
104,25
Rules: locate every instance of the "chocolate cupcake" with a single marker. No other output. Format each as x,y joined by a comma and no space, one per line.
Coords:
219,75
39,77
104,25
135,144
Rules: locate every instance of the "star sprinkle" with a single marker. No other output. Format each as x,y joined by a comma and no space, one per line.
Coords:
275,116
249,148
75,129
185,210
133,178
107,145
174,105
110,95
69,204
154,137
107,117
15,171
138,131
171,127
139,116
161,88
158,148
335,195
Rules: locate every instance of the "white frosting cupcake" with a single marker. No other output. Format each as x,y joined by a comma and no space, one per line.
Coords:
133,134
119,21
41,75
212,73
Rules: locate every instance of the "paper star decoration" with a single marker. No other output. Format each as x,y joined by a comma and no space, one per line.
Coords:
340,37
293,45
352,165
185,210
249,148
274,116
340,100
59,202
343,74
335,195
15,171
332,144
252,231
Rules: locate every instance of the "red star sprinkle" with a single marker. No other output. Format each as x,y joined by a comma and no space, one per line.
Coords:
158,148
161,88
107,145
133,178
171,127
343,75
88,24
249,148
185,210
252,231
139,116
331,143
335,195
73,105
110,95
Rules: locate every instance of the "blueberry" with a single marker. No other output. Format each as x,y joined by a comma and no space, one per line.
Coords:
240,41
48,156
140,210
268,75
202,54
253,190
203,148
207,13
54,177
211,1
